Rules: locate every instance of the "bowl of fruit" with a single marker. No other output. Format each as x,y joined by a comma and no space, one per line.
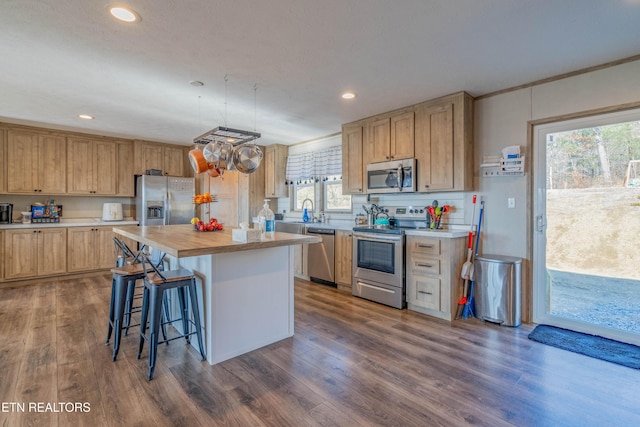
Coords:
199,199
212,225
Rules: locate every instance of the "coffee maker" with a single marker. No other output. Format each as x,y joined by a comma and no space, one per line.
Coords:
6,213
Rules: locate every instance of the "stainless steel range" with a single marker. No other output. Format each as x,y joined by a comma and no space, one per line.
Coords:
378,256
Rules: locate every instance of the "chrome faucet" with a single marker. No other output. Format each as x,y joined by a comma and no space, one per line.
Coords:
312,211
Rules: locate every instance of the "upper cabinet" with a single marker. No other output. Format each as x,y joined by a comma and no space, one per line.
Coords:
437,133
54,162
275,165
170,159
91,167
443,144
36,163
125,180
352,166
389,137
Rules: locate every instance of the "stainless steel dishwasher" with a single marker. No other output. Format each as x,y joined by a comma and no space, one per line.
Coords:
321,256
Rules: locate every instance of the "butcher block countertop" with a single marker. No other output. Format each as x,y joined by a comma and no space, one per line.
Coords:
183,241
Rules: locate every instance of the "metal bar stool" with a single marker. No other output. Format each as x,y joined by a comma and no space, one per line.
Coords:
128,270
155,285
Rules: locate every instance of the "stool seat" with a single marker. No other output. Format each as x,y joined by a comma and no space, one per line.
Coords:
169,276
129,270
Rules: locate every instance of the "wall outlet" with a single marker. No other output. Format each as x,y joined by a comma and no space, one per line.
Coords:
511,202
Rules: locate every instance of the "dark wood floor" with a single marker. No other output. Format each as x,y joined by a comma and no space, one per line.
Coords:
350,363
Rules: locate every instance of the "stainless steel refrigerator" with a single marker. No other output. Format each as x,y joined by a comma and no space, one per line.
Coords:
164,200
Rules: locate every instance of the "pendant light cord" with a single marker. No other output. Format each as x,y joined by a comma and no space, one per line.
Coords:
226,78
255,105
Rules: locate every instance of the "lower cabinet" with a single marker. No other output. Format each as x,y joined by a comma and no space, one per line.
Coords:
433,266
343,256
35,252
90,248
300,261
1,255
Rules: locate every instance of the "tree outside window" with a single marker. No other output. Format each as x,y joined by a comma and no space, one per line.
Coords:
334,200
301,192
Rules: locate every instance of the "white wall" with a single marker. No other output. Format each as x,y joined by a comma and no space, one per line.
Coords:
503,119
73,206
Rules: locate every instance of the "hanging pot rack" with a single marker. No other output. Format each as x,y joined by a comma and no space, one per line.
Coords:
225,134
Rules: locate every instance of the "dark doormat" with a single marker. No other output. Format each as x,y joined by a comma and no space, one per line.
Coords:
589,345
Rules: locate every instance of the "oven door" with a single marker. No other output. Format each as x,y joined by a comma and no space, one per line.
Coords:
379,258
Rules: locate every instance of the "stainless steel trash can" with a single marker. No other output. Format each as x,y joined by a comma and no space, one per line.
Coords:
498,289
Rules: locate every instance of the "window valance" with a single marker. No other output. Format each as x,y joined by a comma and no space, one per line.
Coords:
314,166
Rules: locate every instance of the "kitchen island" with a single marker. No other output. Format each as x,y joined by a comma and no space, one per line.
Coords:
245,289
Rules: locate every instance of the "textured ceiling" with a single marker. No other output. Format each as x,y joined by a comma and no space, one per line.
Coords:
65,57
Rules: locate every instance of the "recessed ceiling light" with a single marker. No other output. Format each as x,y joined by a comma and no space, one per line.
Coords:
124,13
85,116
348,95
196,83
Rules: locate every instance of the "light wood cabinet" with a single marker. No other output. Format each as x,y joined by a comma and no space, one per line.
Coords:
275,164
174,161
125,178
35,252
438,133
3,176
36,163
443,144
91,167
352,166
343,259
300,265
170,159
90,248
433,266
1,255
389,138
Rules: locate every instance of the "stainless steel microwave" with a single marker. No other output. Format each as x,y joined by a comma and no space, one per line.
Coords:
396,176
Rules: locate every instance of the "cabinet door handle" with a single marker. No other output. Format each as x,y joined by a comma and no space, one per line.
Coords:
426,186
425,292
425,246
424,265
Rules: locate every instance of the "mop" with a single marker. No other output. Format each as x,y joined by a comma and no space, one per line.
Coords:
469,305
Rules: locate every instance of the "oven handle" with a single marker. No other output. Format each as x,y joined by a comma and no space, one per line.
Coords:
377,288
377,238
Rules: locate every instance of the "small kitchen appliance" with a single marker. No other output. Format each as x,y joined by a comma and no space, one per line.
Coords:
6,213
112,212
396,176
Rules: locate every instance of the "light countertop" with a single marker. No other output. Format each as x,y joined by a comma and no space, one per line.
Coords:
184,241
446,233
72,222
451,232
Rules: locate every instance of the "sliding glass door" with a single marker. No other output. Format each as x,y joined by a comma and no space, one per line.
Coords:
587,225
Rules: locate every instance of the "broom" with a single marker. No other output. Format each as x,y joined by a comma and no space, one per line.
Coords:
465,274
469,305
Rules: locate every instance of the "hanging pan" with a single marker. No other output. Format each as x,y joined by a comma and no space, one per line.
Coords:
247,158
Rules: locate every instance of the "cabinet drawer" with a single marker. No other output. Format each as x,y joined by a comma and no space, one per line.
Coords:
424,265
425,246
426,292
